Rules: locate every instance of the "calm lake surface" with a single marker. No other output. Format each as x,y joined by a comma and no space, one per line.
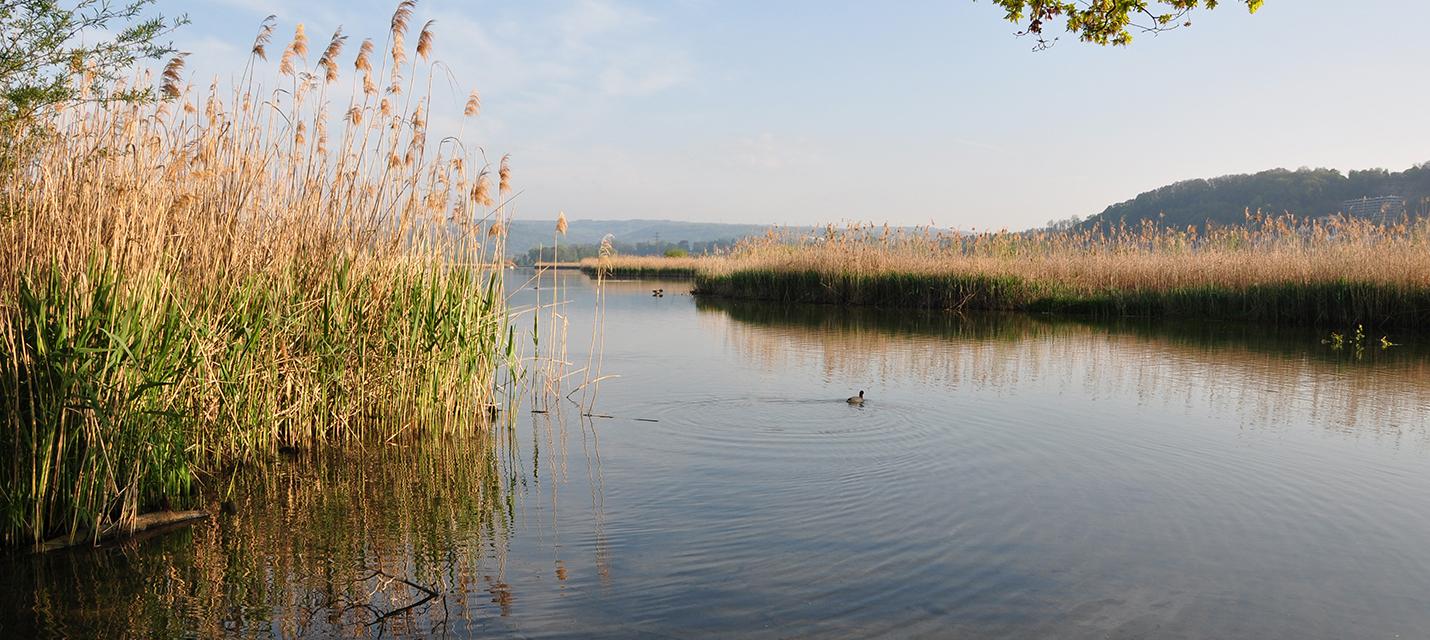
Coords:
1010,476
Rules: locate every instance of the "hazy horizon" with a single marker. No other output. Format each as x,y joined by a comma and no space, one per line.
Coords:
801,113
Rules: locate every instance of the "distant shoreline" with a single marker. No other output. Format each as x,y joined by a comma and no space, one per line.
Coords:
1336,275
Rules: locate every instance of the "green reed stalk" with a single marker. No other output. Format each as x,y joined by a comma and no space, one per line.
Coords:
201,283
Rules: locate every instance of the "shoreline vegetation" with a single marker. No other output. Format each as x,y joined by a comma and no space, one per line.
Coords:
197,283
619,266
1335,272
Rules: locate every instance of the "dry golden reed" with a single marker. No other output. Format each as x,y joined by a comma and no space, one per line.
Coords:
474,104
172,76
187,288
504,176
647,266
329,60
481,193
265,35
398,34
424,41
1281,269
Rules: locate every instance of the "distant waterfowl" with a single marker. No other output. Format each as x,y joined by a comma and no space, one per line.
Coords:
859,399
657,293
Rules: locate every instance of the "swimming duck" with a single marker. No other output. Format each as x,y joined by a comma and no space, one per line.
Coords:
859,399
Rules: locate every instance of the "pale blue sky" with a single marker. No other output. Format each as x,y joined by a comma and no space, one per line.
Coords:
811,111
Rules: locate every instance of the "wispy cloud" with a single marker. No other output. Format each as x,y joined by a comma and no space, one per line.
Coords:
640,73
768,151
588,19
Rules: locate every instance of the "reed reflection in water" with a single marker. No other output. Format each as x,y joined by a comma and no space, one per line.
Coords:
1260,379
404,538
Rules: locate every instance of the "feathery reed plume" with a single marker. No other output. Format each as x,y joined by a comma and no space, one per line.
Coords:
265,35
495,230
481,194
424,41
329,60
561,223
402,15
320,126
364,64
171,76
300,41
504,176
364,56
285,63
474,104
213,106
400,18
355,115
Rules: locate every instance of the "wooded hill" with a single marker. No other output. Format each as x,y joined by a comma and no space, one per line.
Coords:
1304,192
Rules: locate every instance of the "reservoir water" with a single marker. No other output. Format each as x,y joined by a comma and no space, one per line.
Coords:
1008,477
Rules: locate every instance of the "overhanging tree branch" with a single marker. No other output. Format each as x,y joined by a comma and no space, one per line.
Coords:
47,43
1105,22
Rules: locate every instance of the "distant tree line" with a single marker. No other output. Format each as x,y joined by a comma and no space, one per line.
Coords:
575,252
1304,192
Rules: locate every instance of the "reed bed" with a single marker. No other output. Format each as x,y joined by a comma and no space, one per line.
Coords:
1336,272
206,279
620,266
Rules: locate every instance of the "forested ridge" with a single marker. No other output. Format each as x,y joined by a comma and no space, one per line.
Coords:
1304,192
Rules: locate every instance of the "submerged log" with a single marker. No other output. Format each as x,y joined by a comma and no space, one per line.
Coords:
144,522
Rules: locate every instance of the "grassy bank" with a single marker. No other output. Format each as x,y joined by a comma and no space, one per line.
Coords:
619,266
1284,271
201,281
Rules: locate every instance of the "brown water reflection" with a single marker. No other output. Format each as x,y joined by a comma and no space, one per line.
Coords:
405,538
1263,379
